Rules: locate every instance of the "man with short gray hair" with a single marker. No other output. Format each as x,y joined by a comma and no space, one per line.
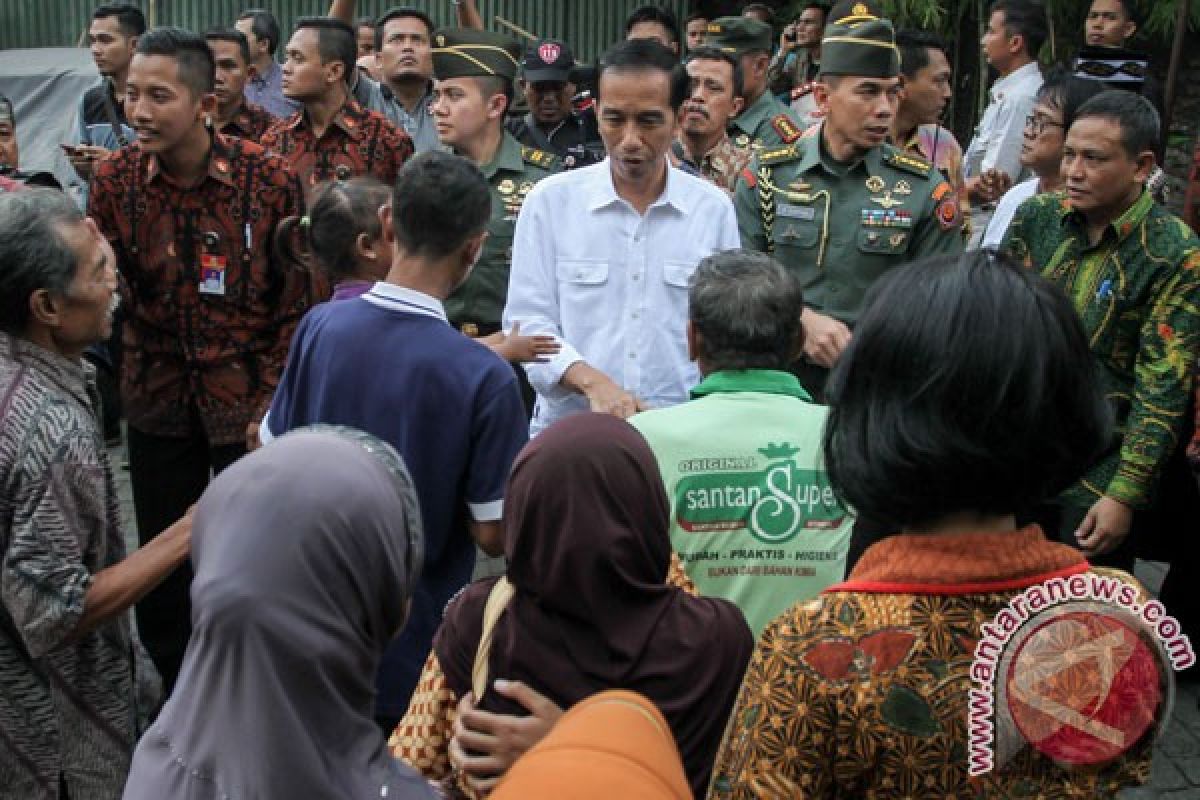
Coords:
67,645
752,514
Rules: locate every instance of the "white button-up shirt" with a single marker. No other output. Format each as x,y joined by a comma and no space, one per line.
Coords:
611,284
997,140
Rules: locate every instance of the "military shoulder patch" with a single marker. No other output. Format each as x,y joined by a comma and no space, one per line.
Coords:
948,213
778,155
787,129
907,162
540,158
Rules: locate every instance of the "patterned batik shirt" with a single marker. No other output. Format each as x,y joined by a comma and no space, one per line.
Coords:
721,165
357,142
209,310
250,122
67,705
1137,292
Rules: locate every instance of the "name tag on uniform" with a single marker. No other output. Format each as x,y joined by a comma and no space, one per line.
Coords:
212,274
796,212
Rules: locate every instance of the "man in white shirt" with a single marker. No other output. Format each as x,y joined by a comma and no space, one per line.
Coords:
1015,33
602,255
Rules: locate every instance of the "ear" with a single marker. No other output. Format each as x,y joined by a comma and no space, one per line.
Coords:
902,87
693,341
363,248
1016,44
473,248
497,105
739,103
1145,165
1129,30
44,308
208,103
251,70
385,222
821,92
335,71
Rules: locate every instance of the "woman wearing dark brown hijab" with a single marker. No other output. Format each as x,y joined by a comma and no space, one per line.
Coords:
586,537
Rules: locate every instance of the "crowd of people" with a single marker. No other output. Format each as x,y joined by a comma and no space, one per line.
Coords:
768,393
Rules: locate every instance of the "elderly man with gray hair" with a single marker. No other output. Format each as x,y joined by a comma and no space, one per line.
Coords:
67,646
752,514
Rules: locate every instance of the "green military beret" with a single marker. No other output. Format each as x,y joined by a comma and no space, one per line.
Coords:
863,46
464,52
738,35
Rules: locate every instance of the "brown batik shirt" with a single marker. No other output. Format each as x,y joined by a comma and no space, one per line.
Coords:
210,311
357,142
250,122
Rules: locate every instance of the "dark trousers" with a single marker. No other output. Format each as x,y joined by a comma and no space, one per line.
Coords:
169,474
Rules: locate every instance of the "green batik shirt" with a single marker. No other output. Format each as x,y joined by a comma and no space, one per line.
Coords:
1138,294
840,227
765,123
477,305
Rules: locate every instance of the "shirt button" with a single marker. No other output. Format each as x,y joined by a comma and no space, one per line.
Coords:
635,276
633,355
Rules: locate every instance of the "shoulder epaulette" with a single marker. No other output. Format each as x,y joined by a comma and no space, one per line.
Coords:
907,162
539,158
778,155
787,129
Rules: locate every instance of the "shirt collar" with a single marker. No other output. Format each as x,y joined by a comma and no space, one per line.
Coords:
1014,79
767,381
349,118
69,375
508,157
1123,225
220,162
401,298
752,115
264,80
702,158
604,191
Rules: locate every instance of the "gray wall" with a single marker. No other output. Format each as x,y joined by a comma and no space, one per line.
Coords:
589,25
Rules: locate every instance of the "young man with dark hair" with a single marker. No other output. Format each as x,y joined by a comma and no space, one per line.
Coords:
551,124
654,22
112,36
843,206
926,86
1132,271
714,99
473,86
695,28
793,70
602,254
763,120
1110,23
1016,30
265,87
209,312
69,659
332,136
364,35
403,43
389,363
236,116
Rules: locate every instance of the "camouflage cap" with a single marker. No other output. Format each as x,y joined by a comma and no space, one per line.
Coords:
863,46
465,52
739,35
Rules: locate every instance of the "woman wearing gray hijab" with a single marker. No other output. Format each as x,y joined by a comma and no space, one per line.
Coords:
305,553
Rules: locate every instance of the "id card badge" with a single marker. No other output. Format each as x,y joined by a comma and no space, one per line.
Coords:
212,274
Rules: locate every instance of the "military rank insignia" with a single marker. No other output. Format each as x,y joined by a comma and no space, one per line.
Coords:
787,130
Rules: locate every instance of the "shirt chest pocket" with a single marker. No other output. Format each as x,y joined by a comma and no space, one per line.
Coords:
791,232
883,241
581,274
678,274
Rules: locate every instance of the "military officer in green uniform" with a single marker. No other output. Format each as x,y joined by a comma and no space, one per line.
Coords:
473,86
763,121
840,206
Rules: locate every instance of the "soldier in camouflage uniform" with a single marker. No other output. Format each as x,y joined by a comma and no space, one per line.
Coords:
763,121
841,206
474,73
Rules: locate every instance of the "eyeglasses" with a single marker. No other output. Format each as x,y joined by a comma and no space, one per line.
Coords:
1036,124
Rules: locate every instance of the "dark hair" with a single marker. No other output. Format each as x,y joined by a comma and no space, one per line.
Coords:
364,22
496,84
746,307
1067,92
196,68
33,251
230,35
1024,18
439,201
761,7
130,19
339,212
1129,9
695,15
1134,114
399,13
647,55
264,26
914,47
968,387
662,16
710,53
335,42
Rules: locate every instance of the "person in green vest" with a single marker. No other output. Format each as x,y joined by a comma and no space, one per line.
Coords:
473,87
753,517
763,121
840,206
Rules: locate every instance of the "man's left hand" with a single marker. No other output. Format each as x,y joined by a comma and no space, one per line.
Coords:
486,745
1104,528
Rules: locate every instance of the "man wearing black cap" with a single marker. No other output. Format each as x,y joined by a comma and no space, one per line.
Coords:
841,206
551,125
473,85
764,121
